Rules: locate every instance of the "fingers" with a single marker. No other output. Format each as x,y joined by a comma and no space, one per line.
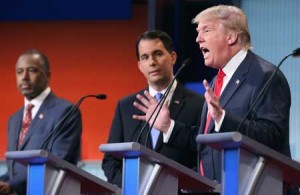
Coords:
140,107
146,104
207,87
214,107
150,99
139,117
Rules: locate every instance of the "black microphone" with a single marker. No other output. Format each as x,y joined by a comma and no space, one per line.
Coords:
161,102
261,94
62,122
296,52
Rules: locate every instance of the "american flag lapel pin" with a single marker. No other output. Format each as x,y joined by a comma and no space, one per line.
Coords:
176,102
41,116
237,81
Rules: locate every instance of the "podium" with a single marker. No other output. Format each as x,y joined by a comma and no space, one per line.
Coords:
249,167
148,172
48,174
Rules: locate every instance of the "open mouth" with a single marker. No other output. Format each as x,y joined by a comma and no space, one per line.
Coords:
205,51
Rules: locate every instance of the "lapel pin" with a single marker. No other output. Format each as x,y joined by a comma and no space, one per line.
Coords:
41,116
237,81
176,101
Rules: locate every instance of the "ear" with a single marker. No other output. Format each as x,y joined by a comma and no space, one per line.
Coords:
140,66
232,38
174,57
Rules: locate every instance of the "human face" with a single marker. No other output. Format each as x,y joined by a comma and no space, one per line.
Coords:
214,43
32,78
156,63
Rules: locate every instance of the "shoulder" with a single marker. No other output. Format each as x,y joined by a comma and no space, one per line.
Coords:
261,63
16,114
58,100
58,104
129,99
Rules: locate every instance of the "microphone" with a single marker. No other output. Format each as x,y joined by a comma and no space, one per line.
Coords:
296,52
161,102
62,122
261,94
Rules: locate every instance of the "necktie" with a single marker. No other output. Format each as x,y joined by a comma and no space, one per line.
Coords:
154,132
217,91
25,124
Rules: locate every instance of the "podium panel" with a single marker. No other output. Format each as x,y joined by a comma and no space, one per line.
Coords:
249,167
48,174
148,172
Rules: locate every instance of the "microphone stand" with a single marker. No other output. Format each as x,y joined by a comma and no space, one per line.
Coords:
61,124
265,87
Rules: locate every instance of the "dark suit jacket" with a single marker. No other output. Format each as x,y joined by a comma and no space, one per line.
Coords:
64,143
185,106
267,124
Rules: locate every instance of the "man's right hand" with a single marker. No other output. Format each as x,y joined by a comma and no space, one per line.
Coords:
148,105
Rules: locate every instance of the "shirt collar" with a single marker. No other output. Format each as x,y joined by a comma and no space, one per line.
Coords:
234,63
153,92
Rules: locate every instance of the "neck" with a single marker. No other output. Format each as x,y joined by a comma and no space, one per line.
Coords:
160,86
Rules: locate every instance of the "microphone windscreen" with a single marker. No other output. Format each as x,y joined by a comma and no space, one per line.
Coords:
101,96
296,52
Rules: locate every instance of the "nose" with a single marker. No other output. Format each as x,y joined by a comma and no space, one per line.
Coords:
199,38
152,61
25,75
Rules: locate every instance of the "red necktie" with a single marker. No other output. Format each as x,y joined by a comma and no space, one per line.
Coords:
217,91
25,124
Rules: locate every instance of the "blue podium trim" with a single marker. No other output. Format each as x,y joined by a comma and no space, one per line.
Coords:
231,171
36,182
131,176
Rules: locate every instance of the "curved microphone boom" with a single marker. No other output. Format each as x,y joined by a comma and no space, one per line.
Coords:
295,53
161,102
62,122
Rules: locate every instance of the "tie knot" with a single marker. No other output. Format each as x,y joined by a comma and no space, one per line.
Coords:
221,74
158,96
29,107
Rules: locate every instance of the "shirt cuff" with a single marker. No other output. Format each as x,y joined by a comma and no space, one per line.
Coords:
218,126
167,135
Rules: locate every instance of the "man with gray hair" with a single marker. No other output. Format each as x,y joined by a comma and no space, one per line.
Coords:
224,40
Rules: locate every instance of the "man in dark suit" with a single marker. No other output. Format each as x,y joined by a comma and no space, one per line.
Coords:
156,58
224,40
33,74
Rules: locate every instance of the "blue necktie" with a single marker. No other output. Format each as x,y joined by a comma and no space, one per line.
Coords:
154,132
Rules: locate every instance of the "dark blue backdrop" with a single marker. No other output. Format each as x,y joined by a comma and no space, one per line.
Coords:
64,9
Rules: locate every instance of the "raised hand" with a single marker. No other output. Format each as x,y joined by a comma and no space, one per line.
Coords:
213,103
147,106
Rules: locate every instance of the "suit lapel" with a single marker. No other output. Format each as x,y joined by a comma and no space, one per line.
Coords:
17,126
39,119
203,118
238,78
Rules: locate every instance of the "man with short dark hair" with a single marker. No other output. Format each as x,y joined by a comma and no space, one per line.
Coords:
42,111
156,58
